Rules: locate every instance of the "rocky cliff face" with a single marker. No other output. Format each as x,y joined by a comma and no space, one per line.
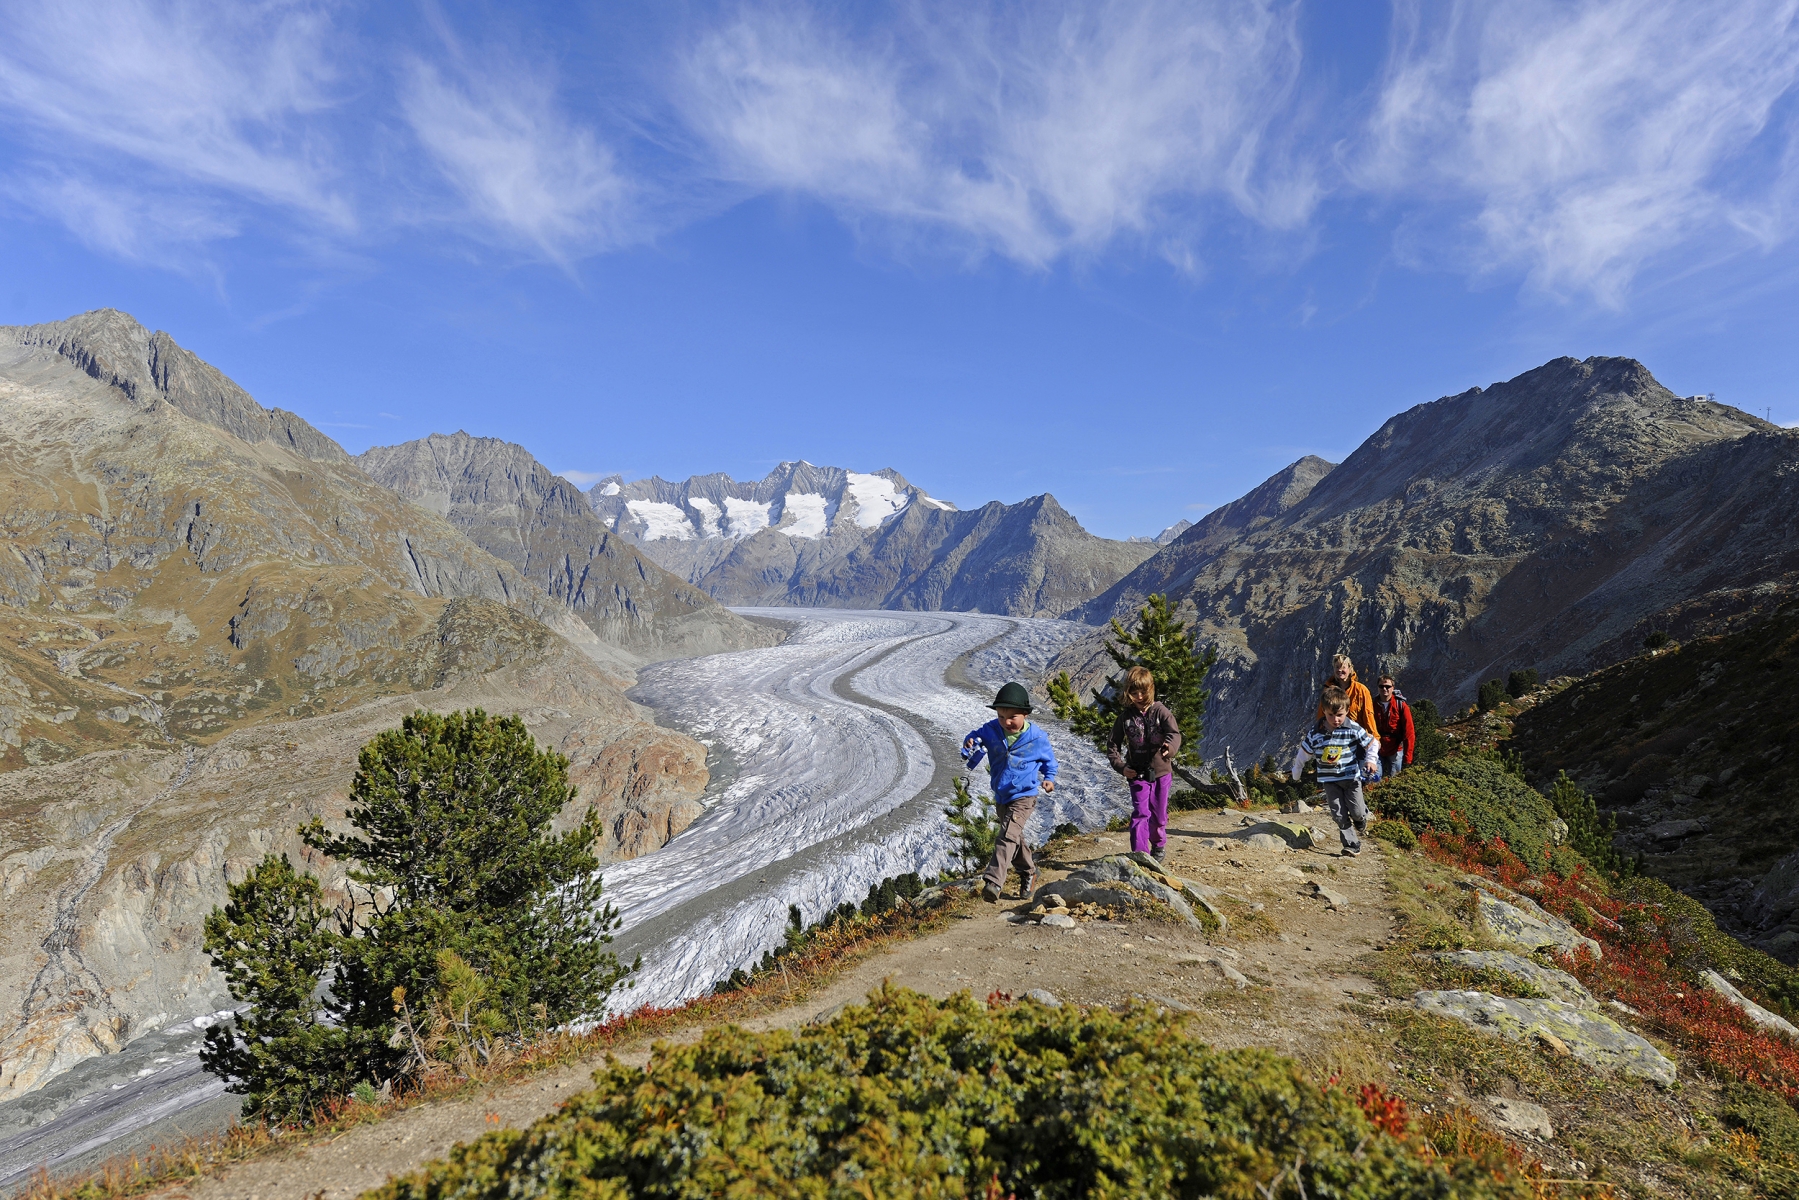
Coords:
1549,521
511,506
206,609
810,535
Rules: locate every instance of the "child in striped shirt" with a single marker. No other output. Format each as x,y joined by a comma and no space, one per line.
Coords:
1338,744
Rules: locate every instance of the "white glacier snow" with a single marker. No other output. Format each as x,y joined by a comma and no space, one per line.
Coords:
844,743
610,489
875,496
744,517
661,520
708,515
808,512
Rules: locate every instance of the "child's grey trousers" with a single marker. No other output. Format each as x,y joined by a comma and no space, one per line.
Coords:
1344,800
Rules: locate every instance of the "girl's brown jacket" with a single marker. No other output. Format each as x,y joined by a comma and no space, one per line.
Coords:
1145,742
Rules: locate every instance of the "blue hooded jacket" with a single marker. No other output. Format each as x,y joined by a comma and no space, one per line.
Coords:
1016,769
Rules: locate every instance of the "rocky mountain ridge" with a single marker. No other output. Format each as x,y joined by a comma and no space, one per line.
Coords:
809,535
205,609
510,505
1547,521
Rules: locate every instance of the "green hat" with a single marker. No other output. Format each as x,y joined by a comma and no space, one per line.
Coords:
1012,695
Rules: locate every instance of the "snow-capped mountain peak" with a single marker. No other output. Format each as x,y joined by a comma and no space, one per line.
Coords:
797,499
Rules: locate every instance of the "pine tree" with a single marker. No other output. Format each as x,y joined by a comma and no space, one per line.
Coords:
452,860
1162,643
975,827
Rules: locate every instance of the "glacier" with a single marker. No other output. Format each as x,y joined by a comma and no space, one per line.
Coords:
844,743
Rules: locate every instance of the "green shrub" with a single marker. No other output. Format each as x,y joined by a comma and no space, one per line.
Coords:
1397,833
1492,695
1588,832
907,1096
1520,682
1190,800
1491,801
1655,641
1429,744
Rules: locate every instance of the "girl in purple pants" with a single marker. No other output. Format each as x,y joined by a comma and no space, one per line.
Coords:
1145,739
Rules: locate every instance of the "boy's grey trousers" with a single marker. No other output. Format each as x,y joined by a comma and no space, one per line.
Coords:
1347,809
1012,818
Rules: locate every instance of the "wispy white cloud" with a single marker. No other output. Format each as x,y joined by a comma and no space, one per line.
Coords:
1583,140
138,103
1034,133
526,169
582,479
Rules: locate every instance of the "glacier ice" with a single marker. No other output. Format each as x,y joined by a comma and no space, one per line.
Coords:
844,742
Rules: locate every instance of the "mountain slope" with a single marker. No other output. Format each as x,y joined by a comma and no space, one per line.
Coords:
207,608
1547,521
809,535
1688,747
507,503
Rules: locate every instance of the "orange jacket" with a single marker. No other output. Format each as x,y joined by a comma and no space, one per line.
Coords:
1361,702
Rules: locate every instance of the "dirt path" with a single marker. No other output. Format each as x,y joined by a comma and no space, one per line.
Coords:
1298,956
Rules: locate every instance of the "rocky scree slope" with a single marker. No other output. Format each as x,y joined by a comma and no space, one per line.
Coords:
511,506
1548,521
197,632
809,535
1689,748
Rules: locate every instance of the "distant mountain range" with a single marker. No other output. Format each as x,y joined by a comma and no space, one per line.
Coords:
811,535
1551,521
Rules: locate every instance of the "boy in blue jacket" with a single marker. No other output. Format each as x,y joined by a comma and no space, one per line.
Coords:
1020,762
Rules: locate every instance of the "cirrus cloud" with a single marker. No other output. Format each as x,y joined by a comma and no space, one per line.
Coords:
1587,139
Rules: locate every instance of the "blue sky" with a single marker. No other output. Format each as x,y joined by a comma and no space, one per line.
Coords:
1137,255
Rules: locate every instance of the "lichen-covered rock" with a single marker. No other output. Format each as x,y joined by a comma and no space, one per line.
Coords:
1557,985
1527,924
1590,1037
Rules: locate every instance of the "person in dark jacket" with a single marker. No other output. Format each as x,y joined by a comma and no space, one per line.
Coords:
1393,723
1145,739
1020,762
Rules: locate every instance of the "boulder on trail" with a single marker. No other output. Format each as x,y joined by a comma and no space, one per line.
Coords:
1588,1036
1292,834
1089,886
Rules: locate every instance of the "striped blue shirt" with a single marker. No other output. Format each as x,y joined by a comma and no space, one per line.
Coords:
1338,751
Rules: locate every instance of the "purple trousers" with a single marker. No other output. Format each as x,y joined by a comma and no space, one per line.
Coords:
1149,814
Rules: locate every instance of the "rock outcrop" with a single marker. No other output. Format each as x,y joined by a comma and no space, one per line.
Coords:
1550,522
511,506
207,609
808,535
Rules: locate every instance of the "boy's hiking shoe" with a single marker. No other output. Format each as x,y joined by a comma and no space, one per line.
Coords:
1161,857
1351,851
1027,885
990,894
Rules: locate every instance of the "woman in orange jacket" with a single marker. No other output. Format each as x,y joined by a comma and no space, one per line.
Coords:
1361,701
